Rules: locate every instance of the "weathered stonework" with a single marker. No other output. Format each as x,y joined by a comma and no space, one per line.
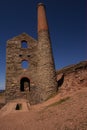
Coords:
45,67
14,71
72,78
38,82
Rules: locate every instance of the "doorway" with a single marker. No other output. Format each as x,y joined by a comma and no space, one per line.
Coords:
24,84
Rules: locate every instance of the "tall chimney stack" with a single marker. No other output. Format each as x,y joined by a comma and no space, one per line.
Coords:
47,84
42,20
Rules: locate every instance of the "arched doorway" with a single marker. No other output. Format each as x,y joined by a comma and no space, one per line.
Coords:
24,84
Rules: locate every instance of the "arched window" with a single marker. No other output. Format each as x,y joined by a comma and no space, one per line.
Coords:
24,44
24,84
24,64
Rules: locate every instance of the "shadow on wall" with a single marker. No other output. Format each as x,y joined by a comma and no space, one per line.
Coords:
60,81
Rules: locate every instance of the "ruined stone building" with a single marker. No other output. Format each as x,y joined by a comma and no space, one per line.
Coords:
37,80
30,70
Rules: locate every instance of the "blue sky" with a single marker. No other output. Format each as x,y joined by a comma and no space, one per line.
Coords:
67,25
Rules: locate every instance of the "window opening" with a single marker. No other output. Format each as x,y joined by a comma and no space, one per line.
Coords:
24,84
18,106
24,64
20,55
24,44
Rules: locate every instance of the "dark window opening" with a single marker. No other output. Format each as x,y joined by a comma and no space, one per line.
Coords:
20,55
18,106
24,84
24,44
28,55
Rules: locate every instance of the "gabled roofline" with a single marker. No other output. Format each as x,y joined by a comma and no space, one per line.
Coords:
21,35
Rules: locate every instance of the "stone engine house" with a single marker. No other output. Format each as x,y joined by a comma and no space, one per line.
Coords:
30,70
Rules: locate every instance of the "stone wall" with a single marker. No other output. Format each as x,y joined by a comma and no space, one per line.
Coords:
72,78
46,67
14,71
40,72
40,75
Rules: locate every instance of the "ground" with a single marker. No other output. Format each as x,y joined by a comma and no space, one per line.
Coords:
68,112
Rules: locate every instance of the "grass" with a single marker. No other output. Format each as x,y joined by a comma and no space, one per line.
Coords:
59,102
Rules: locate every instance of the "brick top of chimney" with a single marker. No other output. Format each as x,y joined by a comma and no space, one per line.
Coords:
42,20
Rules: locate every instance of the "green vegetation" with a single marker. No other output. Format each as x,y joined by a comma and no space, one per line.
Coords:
59,102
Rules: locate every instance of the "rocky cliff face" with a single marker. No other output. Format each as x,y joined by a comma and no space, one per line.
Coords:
72,78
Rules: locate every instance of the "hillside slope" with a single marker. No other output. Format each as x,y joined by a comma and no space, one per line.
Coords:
67,110
68,113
